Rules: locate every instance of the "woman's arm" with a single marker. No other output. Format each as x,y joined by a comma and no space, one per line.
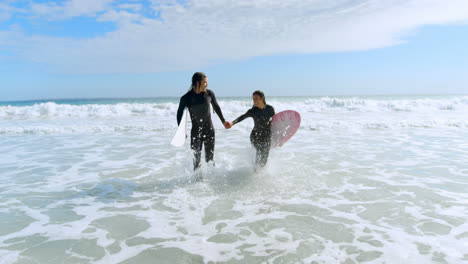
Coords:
216,107
242,117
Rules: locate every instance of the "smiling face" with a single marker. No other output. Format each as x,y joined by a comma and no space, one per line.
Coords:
202,85
258,101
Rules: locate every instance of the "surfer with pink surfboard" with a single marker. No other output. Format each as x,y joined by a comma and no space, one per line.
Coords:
260,137
269,130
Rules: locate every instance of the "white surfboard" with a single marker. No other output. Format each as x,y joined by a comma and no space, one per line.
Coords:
179,138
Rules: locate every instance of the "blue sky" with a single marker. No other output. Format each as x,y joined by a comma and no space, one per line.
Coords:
116,48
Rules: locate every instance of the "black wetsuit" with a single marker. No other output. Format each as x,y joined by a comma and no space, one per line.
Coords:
261,133
202,127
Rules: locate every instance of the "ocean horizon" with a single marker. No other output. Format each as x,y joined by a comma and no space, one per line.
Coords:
94,100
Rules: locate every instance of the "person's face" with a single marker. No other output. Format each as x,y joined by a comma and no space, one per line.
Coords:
257,100
204,84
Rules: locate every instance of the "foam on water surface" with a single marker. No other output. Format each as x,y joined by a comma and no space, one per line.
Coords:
357,194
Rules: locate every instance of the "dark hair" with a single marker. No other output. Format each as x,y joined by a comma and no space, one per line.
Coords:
261,94
197,78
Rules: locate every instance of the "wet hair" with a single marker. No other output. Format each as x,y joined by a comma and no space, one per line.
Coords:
197,78
261,94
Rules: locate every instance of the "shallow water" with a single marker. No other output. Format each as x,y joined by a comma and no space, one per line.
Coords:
364,180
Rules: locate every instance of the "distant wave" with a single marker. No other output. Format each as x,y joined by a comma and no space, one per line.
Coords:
324,113
51,109
236,107
327,104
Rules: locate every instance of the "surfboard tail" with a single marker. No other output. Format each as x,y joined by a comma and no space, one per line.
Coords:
181,134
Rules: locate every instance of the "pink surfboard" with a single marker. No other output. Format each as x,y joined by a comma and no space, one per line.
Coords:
283,126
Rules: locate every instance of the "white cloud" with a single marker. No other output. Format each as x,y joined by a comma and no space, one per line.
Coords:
121,17
205,32
4,16
133,7
6,10
74,8
69,9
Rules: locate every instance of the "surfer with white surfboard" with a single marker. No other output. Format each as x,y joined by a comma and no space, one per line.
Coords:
198,100
260,137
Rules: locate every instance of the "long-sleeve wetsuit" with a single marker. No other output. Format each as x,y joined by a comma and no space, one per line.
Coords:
261,133
202,132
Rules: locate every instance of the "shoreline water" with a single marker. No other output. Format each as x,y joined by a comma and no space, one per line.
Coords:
362,181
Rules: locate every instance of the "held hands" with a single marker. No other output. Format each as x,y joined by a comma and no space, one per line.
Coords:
227,125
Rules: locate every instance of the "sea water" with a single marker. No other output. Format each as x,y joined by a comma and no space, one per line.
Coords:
365,179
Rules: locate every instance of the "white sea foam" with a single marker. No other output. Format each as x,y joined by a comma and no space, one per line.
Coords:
54,110
349,113
340,191
304,105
